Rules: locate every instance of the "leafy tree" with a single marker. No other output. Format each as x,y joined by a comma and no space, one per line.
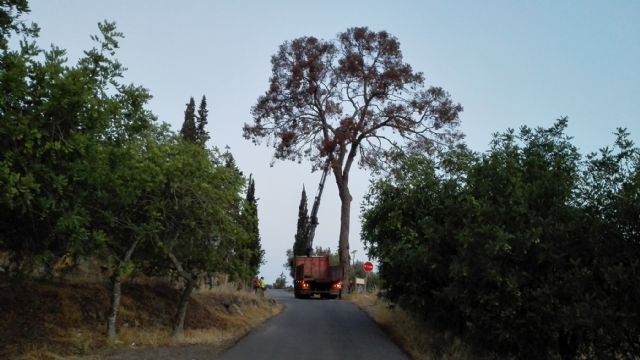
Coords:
410,224
523,231
523,252
72,170
198,208
335,100
357,270
126,181
189,131
248,220
53,116
84,170
609,193
334,257
281,282
10,23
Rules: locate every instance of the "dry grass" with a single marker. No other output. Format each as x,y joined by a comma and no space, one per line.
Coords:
65,321
415,337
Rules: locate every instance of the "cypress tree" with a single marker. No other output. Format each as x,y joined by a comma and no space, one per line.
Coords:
229,161
252,223
201,122
299,244
188,131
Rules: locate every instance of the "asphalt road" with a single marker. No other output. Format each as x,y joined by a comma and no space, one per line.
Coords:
315,329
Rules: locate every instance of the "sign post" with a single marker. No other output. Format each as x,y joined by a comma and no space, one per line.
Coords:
368,267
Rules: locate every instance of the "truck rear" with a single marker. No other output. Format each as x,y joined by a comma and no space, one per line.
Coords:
315,276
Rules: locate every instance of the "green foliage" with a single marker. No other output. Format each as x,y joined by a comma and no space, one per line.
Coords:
84,168
201,121
124,182
525,251
281,282
300,241
193,127
53,118
372,278
249,219
334,258
10,23
189,131
198,210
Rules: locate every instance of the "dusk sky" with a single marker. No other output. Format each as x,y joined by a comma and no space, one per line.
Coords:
509,63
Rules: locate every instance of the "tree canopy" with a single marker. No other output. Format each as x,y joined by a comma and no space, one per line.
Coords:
86,171
528,250
352,97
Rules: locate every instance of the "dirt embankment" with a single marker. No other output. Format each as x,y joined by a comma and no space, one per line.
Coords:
48,320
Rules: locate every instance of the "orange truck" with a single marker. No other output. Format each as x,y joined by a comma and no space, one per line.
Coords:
314,276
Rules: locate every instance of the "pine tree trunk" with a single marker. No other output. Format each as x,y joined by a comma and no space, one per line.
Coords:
116,292
178,328
343,248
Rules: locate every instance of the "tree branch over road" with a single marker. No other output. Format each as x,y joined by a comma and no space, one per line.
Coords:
326,97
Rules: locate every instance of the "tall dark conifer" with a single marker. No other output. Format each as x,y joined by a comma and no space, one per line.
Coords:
254,247
299,244
229,161
201,121
188,131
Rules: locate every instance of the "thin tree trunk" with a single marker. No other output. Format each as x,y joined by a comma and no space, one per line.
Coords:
116,293
178,328
343,248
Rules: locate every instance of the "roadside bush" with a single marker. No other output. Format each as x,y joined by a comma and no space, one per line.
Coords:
527,250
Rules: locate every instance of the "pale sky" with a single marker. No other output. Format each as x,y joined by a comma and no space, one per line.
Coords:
509,63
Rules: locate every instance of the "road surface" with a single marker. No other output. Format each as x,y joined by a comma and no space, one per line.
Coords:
315,329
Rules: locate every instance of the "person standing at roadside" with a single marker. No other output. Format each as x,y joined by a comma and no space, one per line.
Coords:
263,285
257,284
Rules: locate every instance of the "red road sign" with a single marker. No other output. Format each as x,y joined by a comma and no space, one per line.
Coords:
368,266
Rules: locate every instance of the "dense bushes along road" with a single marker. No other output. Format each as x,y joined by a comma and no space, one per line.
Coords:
86,171
527,250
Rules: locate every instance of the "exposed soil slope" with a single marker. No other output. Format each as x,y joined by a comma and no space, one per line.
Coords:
49,320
